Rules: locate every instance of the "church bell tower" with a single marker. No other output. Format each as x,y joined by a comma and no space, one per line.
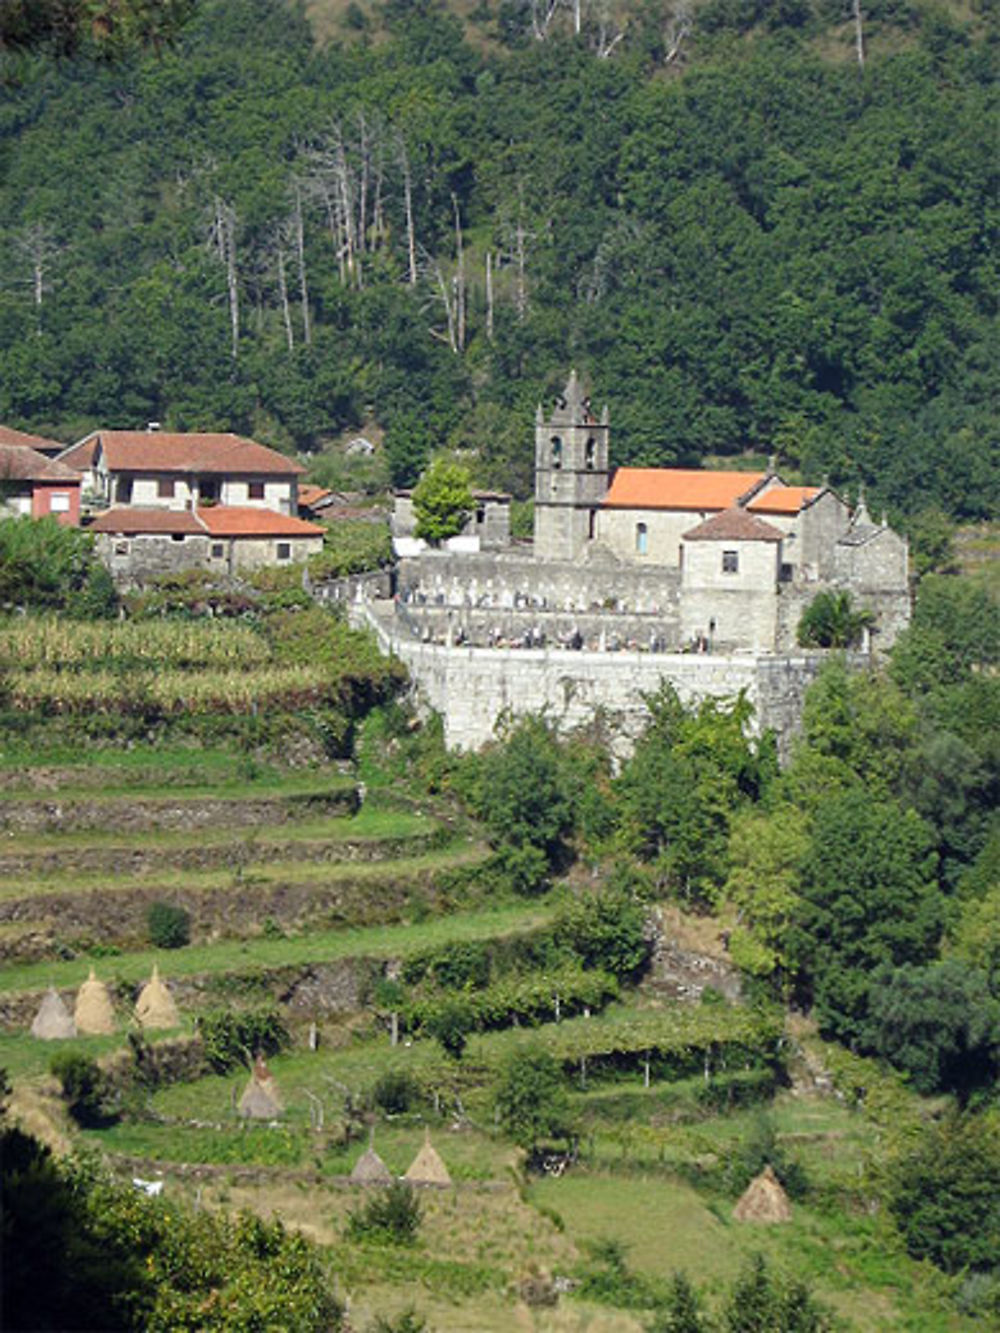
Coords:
571,474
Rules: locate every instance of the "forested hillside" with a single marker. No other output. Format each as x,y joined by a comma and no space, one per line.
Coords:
747,239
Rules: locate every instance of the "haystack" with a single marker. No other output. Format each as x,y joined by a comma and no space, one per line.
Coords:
155,1007
52,1022
369,1169
93,1013
261,1099
427,1167
763,1200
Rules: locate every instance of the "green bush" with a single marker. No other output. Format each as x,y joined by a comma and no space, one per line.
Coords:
396,1092
169,925
231,1037
390,1217
83,1087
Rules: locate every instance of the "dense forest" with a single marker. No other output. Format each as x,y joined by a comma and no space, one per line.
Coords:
747,236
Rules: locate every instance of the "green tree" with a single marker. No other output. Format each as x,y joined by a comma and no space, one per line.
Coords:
43,565
391,1216
869,899
607,930
682,1311
83,1087
945,1197
442,500
766,854
530,1099
763,1302
940,1024
830,621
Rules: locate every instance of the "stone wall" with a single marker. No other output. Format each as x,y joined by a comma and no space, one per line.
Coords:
473,687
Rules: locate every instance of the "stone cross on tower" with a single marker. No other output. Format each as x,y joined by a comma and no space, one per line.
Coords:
571,474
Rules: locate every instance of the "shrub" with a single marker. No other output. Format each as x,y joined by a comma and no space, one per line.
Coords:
396,1092
830,621
761,1148
83,1086
390,1217
169,925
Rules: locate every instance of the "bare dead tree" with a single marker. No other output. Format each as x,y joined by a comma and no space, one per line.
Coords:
542,14
403,158
489,295
286,314
443,293
677,31
516,237
458,281
223,242
609,33
859,32
299,232
37,248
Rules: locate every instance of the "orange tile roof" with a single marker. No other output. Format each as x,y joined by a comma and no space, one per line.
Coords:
783,500
309,495
161,451
240,521
128,521
733,525
19,463
80,456
678,488
8,435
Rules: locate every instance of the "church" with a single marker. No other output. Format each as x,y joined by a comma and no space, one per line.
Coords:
649,559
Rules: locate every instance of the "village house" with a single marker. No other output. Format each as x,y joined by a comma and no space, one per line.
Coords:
40,444
34,486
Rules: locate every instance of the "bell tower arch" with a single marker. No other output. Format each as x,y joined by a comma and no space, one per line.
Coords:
571,474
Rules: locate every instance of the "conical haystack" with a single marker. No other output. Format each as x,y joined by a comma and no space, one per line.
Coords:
369,1169
763,1200
155,1007
52,1022
261,1099
427,1167
93,1013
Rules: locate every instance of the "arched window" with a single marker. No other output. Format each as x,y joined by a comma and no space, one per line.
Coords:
590,453
641,539
556,452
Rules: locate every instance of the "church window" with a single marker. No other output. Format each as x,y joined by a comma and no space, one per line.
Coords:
730,562
556,452
589,454
641,539
591,525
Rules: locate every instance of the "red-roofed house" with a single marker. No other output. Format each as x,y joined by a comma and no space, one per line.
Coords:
35,486
41,445
139,543
162,470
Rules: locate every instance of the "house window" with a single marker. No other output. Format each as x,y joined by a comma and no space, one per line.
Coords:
284,551
480,515
165,489
255,490
730,562
177,536
59,503
123,491
121,548
208,491
556,452
641,539
589,454
218,550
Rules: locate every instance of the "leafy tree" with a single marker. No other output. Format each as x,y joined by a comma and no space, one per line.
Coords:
940,1024
451,1024
869,899
945,1197
530,1098
517,787
232,1038
43,565
976,934
830,621
107,27
607,930
391,1216
766,854
442,500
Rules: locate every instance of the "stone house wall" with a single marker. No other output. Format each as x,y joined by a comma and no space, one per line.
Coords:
731,610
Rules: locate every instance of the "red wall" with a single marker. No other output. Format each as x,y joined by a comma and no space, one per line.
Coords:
41,501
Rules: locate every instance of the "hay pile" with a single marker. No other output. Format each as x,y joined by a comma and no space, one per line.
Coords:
155,1007
261,1099
93,1013
52,1022
369,1169
763,1200
427,1167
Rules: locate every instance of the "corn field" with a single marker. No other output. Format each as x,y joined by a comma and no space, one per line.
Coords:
62,645
169,691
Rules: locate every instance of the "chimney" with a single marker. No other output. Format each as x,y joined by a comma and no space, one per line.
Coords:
152,426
